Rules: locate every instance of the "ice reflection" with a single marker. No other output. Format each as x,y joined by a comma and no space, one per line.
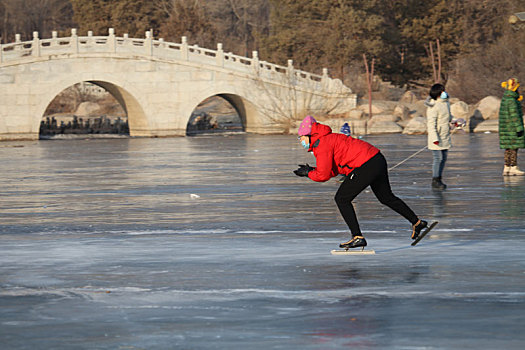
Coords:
512,196
438,204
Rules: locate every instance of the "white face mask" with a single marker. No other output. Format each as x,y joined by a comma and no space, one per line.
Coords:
305,145
444,95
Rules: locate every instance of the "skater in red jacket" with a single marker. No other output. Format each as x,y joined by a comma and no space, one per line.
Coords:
363,165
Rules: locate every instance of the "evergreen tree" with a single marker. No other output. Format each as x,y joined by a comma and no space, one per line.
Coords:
296,32
439,21
94,15
133,17
240,23
354,28
188,18
330,33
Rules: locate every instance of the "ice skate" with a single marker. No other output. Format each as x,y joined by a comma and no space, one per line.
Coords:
514,171
417,227
420,230
355,242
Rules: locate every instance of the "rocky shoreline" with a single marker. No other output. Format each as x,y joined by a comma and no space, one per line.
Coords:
408,116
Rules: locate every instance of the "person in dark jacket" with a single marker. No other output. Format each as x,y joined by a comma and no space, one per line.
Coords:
511,128
363,165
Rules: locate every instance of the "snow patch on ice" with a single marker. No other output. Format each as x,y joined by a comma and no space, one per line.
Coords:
454,229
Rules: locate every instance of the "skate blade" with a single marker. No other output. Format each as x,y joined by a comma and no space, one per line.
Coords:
424,233
352,252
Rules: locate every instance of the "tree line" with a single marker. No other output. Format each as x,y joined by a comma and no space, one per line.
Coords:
478,47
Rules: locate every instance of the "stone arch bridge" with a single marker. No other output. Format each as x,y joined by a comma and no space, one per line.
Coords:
158,83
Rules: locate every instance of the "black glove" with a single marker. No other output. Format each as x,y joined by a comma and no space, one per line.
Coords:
520,133
303,170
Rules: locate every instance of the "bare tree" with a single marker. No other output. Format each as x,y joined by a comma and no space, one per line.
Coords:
291,95
187,18
240,23
369,80
25,17
436,72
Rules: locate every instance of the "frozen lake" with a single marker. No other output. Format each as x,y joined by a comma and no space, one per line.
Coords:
212,242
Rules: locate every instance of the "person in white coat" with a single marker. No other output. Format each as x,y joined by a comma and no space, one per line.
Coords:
438,128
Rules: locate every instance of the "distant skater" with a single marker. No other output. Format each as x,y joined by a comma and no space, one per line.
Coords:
511,136
345,130
363,165
438,129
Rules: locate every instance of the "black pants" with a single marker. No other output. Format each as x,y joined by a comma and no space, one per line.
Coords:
374,173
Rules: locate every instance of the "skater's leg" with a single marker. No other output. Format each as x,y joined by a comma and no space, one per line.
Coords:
354,184
511,157
513,161
440,157
436,163
382,190
509,161
506,166
444,155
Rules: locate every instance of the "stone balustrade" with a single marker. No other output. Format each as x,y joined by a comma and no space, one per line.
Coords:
111,44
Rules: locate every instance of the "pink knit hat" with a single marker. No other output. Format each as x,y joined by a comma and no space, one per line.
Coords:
306,126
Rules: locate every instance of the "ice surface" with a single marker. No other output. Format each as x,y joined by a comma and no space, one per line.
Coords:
103,247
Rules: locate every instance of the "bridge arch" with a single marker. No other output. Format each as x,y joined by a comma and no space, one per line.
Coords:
137,119
248,112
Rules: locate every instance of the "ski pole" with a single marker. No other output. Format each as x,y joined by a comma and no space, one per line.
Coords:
412,156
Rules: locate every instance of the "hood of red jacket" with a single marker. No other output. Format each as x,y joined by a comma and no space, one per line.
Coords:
318,130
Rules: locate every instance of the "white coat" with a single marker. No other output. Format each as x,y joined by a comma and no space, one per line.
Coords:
438,127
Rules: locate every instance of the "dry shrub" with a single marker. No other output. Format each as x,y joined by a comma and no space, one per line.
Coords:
480,74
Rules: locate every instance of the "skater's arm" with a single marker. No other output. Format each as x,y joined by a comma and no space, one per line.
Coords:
324,165
432,116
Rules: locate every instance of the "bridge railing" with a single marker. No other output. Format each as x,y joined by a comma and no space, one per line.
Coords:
159,49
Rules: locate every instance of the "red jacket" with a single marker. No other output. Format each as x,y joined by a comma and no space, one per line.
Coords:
336,153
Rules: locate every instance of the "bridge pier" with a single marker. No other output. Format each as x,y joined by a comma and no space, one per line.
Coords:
157,133
14,136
